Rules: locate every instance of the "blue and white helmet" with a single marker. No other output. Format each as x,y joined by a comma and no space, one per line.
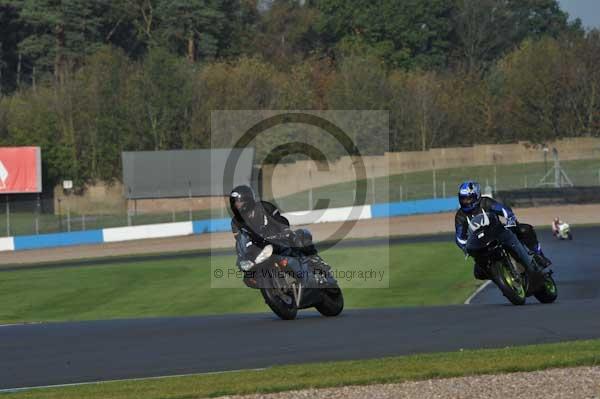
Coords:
469,195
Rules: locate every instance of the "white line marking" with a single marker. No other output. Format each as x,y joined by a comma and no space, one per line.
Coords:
481,288
20,324
8,390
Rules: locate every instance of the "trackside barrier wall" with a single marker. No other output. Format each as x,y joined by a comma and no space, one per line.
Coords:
163,230
414,207
329,215
160,230
58,239
7,244
211,226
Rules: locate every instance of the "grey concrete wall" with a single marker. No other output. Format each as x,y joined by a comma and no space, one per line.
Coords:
302,175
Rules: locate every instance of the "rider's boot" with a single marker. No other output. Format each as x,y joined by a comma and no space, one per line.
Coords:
535,272
321,270
541,259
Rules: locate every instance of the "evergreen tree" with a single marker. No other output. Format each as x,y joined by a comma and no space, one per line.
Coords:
61,32
192,27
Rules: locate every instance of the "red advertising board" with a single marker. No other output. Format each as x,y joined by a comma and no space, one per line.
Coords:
20,170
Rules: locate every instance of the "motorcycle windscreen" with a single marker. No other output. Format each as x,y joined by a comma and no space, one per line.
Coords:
483,230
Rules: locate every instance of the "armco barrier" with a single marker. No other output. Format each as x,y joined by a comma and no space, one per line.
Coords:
58,240
223,225
414,207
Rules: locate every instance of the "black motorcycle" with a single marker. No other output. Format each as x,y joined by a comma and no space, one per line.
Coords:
511,277
285,291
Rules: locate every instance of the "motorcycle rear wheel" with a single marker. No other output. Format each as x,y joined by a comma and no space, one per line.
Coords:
548,292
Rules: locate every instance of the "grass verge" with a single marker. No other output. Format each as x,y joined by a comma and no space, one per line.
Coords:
182,287
332,374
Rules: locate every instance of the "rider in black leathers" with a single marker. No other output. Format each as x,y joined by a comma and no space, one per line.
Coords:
519,237
256,224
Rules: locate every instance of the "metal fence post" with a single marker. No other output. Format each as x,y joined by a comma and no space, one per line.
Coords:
83,222
190,198
7,217
68,217
495,178
60,226
129,206
434,184
37,215
372,190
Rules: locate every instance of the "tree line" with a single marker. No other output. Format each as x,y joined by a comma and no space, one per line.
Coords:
87,80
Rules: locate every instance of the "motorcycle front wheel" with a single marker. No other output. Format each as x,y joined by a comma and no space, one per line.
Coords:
510,282
333,302
280,303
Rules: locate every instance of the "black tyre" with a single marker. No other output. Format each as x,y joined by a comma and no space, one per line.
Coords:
284,308
548,292
511,286
333,302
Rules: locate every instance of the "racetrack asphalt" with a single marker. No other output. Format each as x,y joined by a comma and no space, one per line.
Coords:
63,353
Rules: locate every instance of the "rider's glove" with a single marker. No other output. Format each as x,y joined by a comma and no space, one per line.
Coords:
511,221
246,265
286,235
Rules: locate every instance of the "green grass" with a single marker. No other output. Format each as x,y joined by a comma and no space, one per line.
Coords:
332,374
182,287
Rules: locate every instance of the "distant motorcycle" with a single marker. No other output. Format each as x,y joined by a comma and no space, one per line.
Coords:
285,292
511,277
563,232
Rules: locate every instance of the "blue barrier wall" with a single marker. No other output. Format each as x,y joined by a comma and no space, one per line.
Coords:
211,226
224,225
58,239
414,207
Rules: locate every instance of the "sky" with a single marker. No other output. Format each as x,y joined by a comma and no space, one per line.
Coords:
587,10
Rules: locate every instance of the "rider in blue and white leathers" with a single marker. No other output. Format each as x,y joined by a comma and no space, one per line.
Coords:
518,237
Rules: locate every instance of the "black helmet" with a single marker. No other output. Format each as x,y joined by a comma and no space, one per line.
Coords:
242,195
